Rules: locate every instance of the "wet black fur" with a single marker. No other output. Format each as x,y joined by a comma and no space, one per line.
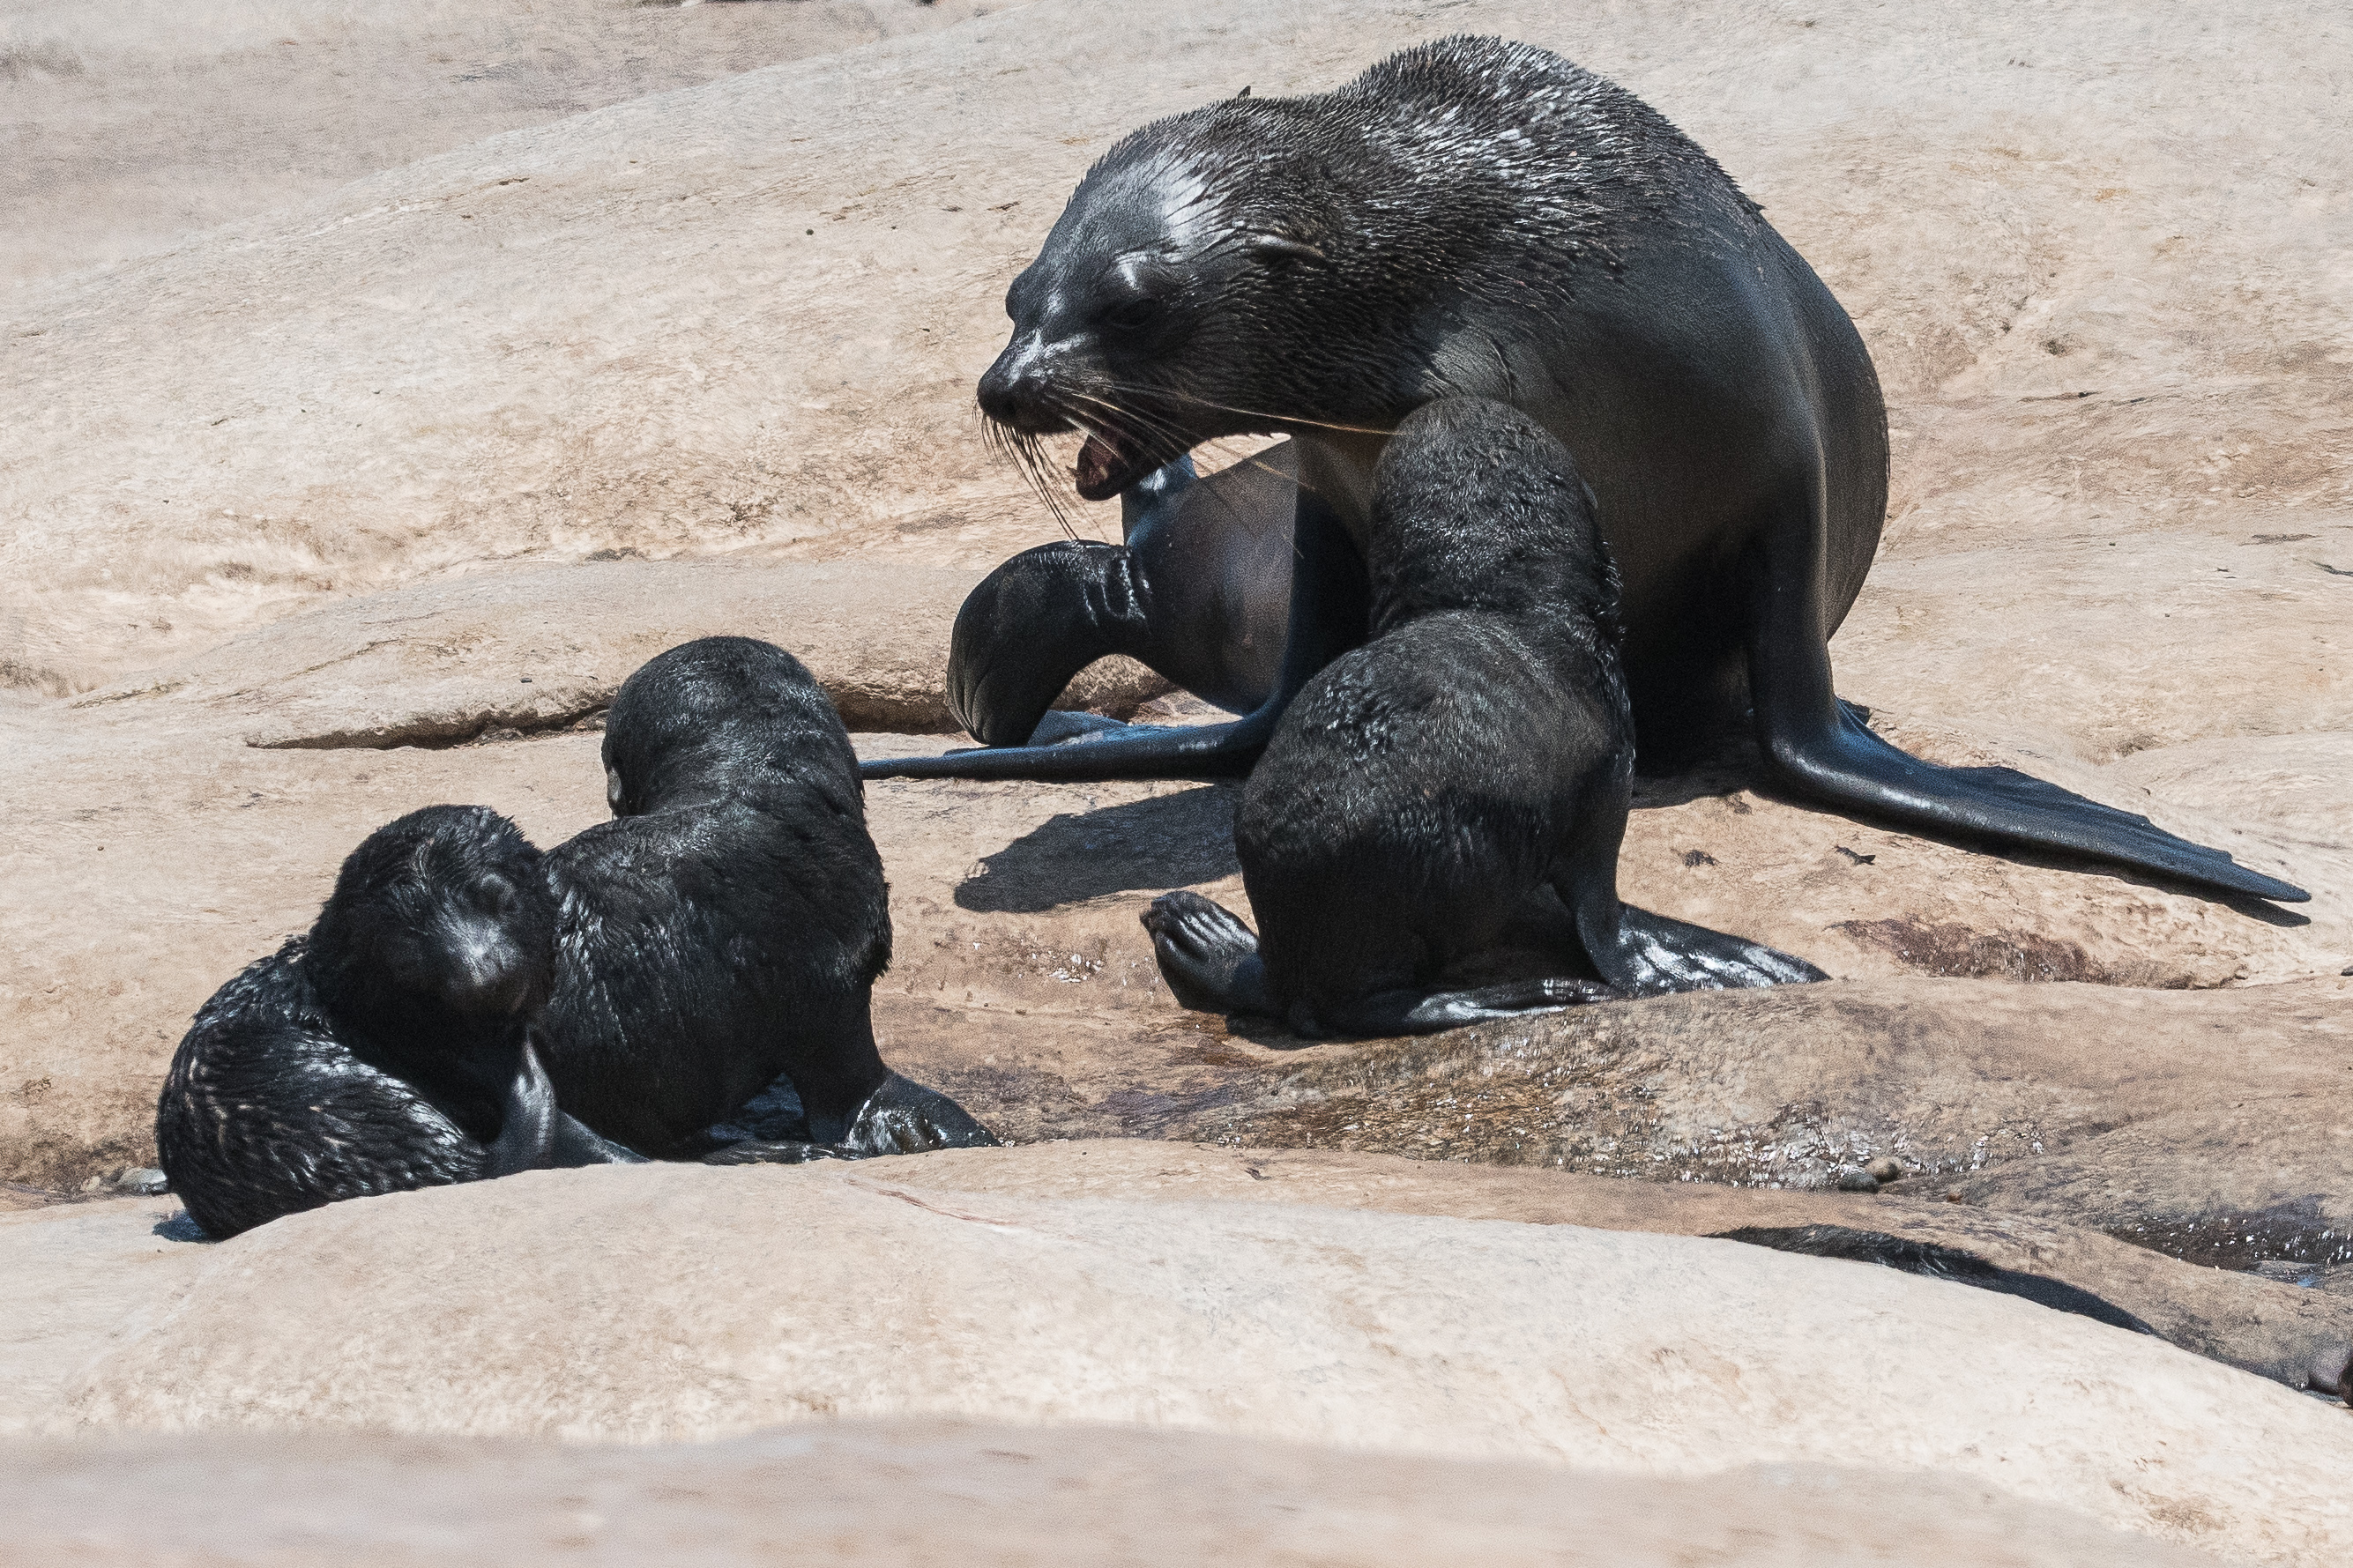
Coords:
1478,749
1475,217
385,1049
728,925
1196,590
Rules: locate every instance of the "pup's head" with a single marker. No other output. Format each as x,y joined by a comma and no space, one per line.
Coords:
442,911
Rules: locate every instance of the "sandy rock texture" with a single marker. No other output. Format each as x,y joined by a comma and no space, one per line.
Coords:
2292,1335
889,1492
543,648
127,125
661,1303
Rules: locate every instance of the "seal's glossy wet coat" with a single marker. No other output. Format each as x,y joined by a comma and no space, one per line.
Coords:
1199,590
390,1048
728,925
1478,749
1478,218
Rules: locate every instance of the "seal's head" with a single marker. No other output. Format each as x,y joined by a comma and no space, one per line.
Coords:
441,916
721,716
1200,284
1285,265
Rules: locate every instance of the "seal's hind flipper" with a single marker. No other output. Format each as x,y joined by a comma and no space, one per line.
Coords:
1209,957
1853,767
1643,954
1428,1012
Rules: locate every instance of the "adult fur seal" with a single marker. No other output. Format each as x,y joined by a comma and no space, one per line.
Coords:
728,925
390,1048
1478,748
1197,589
1475,217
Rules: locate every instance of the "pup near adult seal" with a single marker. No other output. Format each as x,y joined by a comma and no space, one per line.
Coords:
728,924
1478,218
389,1048
1479,749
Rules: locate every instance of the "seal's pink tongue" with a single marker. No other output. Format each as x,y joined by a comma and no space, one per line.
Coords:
1103,467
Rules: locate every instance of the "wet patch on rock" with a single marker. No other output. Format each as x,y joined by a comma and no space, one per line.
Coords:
1956,952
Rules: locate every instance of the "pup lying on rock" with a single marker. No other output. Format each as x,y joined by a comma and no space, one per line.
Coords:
391,1048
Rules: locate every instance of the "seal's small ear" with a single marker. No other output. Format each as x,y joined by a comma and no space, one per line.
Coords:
1278,248
1244,93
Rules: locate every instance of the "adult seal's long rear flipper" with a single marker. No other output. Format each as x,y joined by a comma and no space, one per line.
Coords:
1845,765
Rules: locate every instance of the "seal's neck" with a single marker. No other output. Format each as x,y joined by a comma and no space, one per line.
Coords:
1337,467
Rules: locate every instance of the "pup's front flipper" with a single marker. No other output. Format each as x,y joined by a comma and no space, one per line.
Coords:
1209,957
1643,954
902,1117
1428,1012
527,1129
576,1144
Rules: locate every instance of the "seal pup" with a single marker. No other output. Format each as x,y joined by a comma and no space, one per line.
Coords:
1197,590
1479,748
390,1048
1477,217
728,925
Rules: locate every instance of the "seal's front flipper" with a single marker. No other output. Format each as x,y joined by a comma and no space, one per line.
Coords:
1428,1012
1645,955
1061,726
575,1144
526,1138
1327,618
902,1117
1030,625
763,1152
1209,957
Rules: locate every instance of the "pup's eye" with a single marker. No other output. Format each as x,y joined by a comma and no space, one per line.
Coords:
1132,315
499,895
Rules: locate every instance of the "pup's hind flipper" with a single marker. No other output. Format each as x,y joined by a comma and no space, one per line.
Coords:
1209,957
1645,955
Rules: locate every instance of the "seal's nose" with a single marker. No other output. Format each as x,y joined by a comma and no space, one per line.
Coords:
1014,390
482,971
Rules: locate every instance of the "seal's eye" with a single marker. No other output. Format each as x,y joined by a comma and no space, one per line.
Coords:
1132,315
499,896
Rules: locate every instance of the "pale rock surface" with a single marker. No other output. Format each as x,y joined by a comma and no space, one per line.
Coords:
2291,1333
660,1303
632,349
126,125
887,1493
541,647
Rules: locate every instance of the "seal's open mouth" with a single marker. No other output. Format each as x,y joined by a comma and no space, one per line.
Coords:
1108,464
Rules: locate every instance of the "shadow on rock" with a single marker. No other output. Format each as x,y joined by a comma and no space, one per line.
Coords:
1168,841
